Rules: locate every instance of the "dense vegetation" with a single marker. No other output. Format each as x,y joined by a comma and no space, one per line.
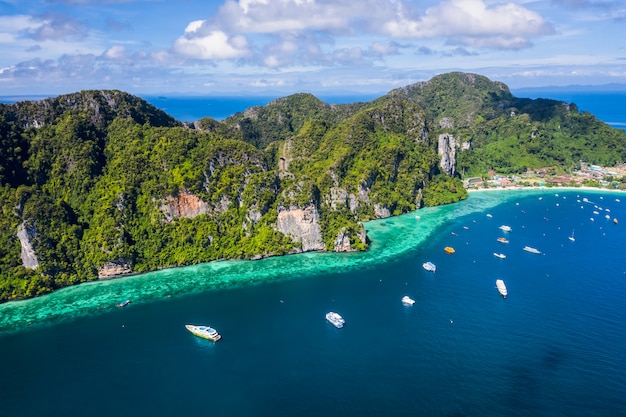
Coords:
101,176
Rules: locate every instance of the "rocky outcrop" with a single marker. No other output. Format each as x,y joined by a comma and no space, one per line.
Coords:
185,204
114,269
302,225
381,212
339,197
26,233
447,150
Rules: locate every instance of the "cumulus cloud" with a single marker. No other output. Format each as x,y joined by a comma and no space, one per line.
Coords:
473,23
275,33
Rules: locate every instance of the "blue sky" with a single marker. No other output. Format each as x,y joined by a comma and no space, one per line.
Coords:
264,47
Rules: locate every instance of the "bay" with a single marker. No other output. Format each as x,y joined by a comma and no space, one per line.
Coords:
553,347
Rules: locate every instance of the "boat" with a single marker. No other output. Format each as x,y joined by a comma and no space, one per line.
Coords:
124,303
204,332
572,237
499,255
489,215
617,200
449,249
429,266
505,228
503,240
335,319
615,220
501,288
531,250
406,300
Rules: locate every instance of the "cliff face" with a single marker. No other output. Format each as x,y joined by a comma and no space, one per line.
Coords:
302,225
26,233
184,205
114,269
446,148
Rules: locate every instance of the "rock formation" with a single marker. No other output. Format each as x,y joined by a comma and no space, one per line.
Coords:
26,233
447,150
302,225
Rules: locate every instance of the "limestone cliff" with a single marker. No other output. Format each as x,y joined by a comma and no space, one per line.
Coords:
185,204
114,269
446,148
302,225
26,233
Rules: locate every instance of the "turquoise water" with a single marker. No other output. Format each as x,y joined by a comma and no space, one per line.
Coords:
553,347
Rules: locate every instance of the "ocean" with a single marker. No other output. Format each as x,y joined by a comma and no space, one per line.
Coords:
553,347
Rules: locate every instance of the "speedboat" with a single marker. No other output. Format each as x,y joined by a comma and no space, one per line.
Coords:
429,266
531,250
572,237
335,319
499,255
505,228
501,288
406,300
204,332
503,240
124,303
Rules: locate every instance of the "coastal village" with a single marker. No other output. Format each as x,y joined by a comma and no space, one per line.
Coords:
585,176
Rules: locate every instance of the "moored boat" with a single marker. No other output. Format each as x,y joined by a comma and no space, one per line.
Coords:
449,249
204,332
532,250
499,255
124,303
505,228
501,288
335,319
429,266
406,300
503,240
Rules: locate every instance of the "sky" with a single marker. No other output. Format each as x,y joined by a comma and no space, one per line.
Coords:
268,47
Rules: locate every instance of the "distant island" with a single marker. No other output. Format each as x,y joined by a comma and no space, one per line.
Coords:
99,184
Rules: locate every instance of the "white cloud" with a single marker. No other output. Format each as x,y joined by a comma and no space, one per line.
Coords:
474,23
214,45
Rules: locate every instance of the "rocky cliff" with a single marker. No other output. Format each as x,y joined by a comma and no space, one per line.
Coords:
302,225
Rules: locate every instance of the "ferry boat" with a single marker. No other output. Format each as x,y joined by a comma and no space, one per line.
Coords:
501,288
499,255
531,250
449,249
505,228
406,300
503,240
429,266
335,319
204,332
124,303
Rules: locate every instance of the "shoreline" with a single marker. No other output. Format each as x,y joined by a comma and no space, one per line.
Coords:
542,187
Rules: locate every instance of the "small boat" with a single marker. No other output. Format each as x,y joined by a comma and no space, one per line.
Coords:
499,255
617,200
501,288
489,215
454,233
531,250
429,266
503,240
124,303
592,219
465,227
335,319
572,237
505,228
615,220
449,249
204,332
406,300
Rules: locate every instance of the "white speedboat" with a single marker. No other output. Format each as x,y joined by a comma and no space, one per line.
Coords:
429,266
204,332
572,237
499,255
505,228
501,288
335,319
406,300
531,250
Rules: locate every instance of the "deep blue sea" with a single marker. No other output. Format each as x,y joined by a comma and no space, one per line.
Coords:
553,347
